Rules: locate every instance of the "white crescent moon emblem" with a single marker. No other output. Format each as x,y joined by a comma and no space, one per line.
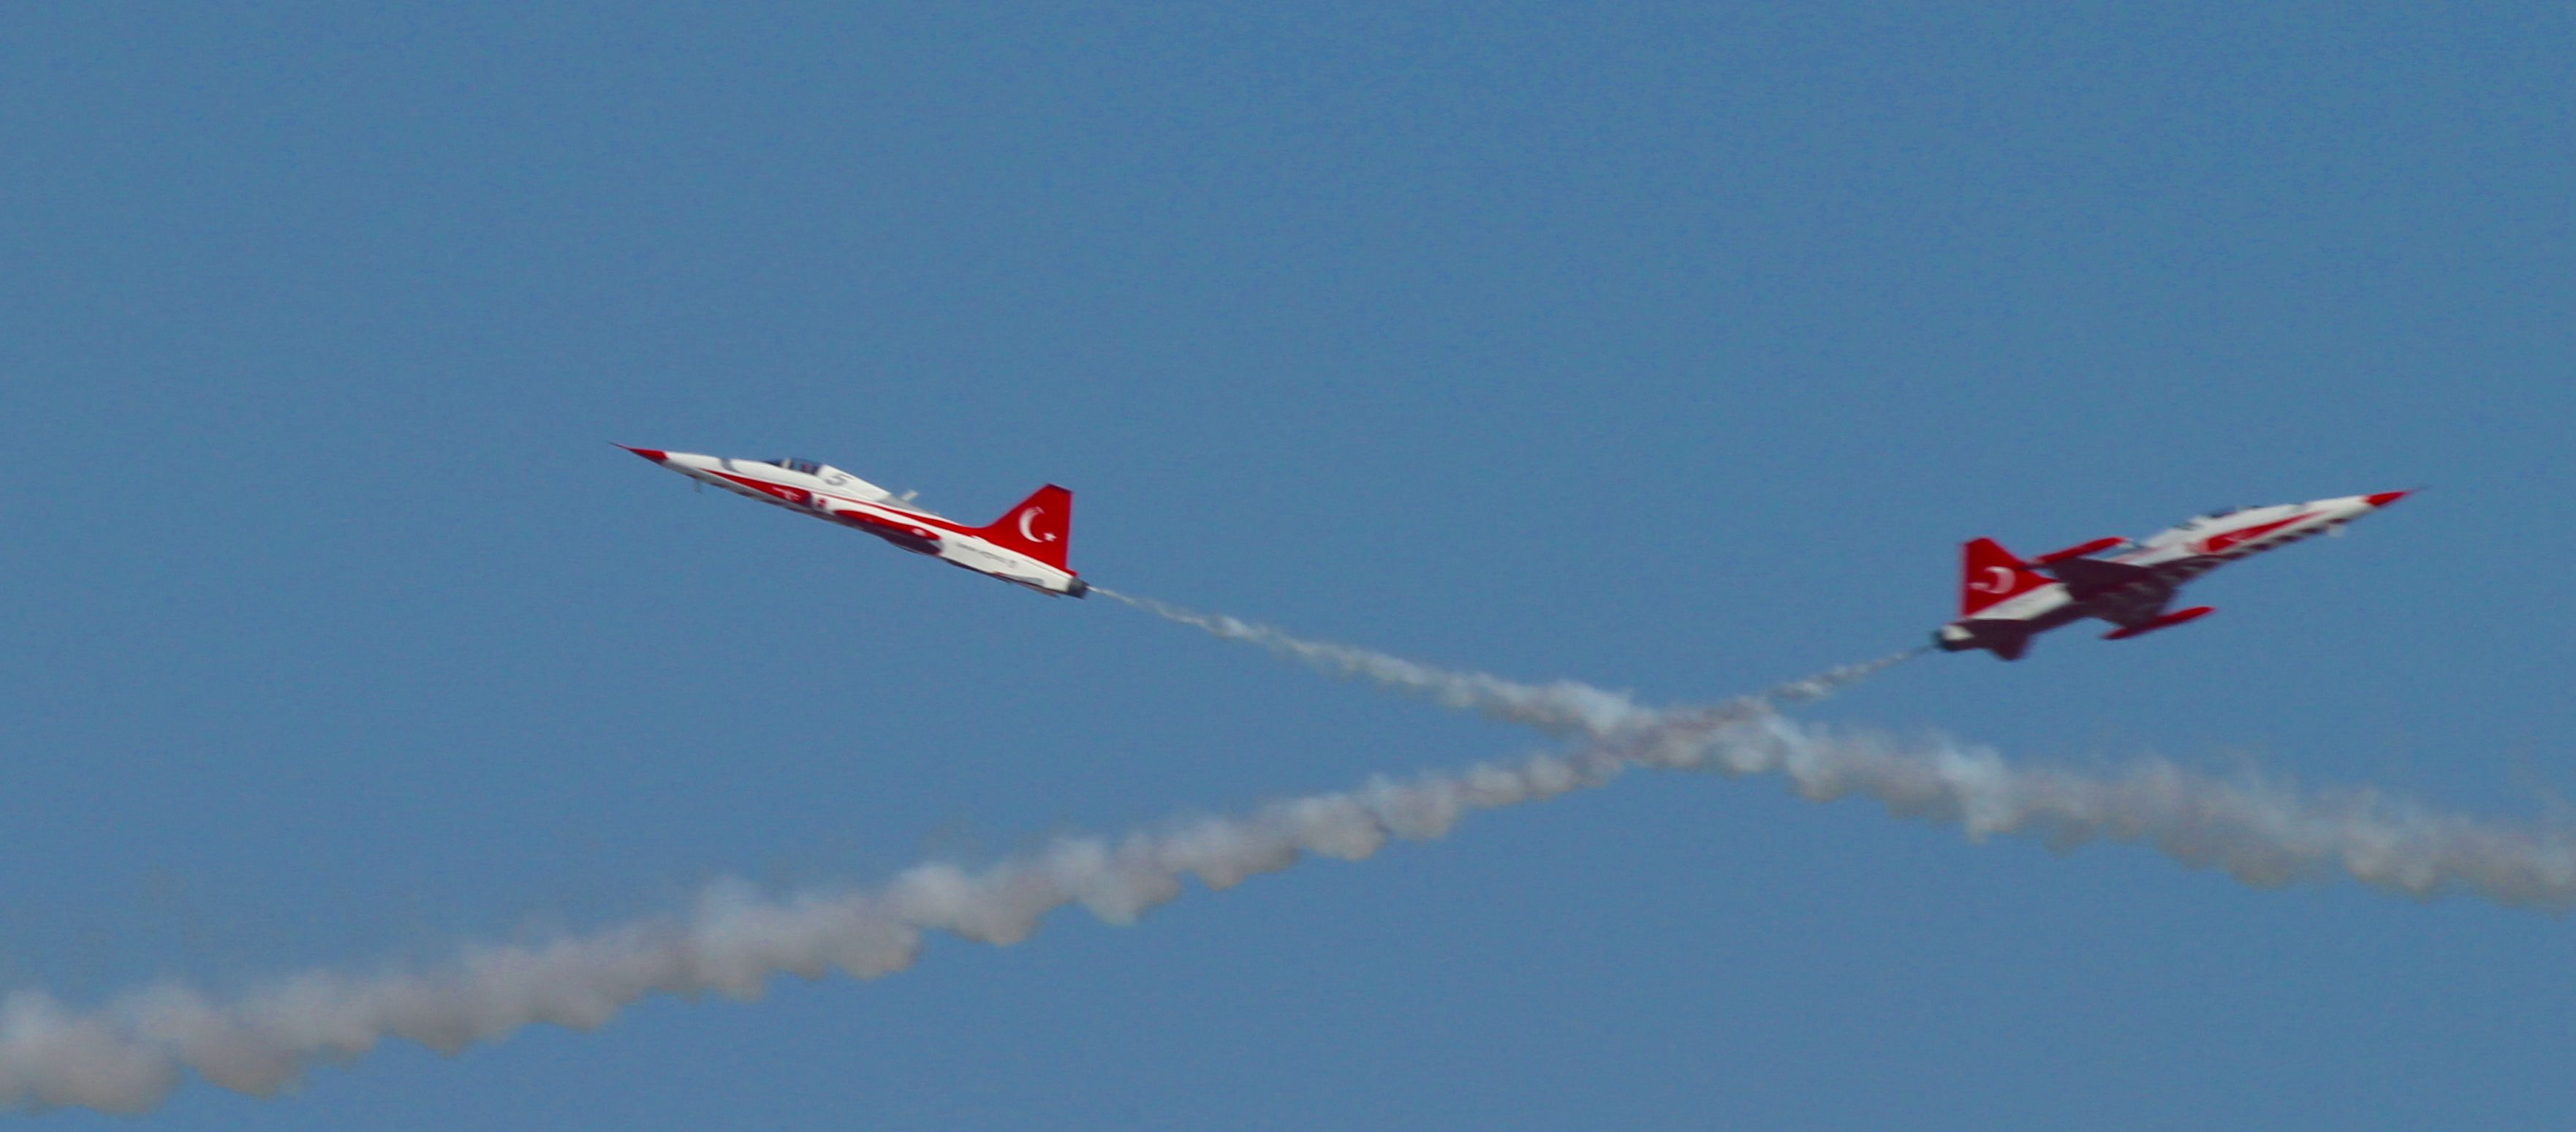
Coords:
1999,580
1025,518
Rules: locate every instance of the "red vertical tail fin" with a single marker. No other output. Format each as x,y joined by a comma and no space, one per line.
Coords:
1039,527
1993,575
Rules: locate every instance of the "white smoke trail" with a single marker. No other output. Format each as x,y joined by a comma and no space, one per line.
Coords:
128,1055
1564,709
2260,833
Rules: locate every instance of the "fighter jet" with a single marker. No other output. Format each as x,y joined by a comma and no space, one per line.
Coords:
1026,545
2004,601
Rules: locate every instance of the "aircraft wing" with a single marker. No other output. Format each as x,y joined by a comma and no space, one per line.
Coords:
2133,609
2085,577
909,536
2122,594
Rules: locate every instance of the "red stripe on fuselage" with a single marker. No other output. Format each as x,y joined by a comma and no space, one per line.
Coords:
801,495
772,490
2225,539
874,525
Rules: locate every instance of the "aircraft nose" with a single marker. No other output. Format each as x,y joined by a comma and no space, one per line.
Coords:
654,454
2385,498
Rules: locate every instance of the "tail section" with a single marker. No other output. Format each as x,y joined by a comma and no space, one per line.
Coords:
1993,575
2006,639
1040,527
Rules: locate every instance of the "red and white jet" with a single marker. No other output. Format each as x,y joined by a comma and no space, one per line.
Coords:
2004,601
1026,545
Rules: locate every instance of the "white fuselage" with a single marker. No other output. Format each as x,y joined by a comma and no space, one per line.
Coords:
826,492
2207,542
2131,585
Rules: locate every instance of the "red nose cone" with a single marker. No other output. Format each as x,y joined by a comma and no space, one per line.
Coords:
2385,498
654,454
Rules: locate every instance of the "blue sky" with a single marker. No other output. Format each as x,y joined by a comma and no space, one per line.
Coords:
1671,350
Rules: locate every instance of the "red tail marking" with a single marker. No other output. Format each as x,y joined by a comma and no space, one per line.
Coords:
1039,527
1993,575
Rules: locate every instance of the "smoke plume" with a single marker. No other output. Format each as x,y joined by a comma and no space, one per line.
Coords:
130,1054
127,1055
1564,709
2258,831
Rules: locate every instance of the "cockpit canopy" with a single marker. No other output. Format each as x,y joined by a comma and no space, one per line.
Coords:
838,480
